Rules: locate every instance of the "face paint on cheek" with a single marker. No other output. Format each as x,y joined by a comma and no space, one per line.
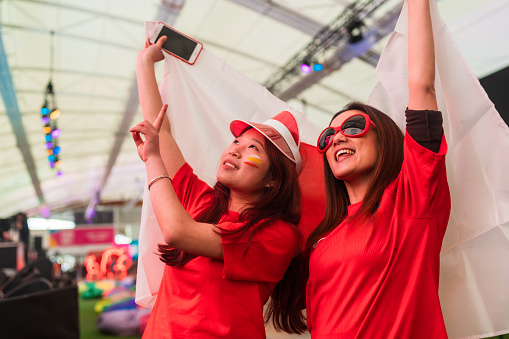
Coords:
253,161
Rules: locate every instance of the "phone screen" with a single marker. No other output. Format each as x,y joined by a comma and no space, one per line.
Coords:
177,43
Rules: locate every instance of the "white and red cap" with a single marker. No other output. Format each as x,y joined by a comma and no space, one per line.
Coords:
281,130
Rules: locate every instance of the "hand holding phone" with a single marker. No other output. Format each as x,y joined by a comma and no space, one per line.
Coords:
177,44
154,52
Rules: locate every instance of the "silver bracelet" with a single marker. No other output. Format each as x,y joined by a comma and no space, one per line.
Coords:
157,178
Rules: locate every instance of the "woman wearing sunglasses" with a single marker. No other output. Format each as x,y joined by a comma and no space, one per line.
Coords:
227,247
374,259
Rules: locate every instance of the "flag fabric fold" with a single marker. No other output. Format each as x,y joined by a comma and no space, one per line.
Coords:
474,276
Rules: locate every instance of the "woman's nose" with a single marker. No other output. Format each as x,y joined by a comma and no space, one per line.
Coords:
339,137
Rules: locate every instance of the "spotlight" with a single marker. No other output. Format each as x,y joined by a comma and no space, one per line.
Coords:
355,31
305,68
317,67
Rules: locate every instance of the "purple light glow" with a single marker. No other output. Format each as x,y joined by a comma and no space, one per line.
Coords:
59,173
44,120
305,68
56,133
49,145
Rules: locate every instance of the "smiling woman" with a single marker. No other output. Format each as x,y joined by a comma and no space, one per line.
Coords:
230,247
374,259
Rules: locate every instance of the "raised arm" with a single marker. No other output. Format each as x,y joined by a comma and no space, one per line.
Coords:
421,57
151,103
179,229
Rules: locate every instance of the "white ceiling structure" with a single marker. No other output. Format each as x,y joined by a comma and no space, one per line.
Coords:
89,48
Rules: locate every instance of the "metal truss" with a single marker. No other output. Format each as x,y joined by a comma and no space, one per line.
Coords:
332,35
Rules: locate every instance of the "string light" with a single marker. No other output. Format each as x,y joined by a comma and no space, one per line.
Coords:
50,113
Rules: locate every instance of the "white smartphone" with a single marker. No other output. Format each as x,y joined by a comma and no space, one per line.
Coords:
177,44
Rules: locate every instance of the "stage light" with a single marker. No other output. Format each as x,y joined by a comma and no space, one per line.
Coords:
317,67
355,31
55,114
305,68
56,133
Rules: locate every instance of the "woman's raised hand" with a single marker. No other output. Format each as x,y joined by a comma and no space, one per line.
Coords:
153,52
150,146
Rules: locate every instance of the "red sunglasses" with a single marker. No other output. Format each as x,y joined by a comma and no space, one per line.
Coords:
355,126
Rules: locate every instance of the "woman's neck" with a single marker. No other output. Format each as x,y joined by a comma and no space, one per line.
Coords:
239,201
356,190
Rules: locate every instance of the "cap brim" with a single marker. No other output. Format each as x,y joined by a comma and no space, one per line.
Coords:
237,127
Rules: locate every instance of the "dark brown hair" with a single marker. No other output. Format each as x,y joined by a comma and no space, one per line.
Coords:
387,168
280,201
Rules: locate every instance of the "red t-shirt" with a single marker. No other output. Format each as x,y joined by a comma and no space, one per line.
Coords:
210,298
379,279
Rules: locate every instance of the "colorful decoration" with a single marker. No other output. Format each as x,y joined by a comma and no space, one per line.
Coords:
114,264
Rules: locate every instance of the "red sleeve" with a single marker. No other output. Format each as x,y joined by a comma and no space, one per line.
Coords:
269,254
193,193
423,189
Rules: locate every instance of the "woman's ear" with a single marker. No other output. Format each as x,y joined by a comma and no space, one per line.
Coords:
270,184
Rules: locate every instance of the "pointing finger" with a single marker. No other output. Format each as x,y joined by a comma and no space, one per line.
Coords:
160,117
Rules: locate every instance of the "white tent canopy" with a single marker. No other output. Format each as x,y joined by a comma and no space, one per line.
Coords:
91,48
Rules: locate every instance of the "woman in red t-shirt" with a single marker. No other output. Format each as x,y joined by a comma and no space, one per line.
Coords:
227,247
374,259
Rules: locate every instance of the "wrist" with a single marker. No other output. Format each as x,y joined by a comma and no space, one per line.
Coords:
145,61
156,162
162,176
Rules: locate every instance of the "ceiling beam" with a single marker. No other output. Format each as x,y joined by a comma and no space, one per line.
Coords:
70,36
282,14
11,105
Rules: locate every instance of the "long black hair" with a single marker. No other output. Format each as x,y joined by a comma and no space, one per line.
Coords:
280,201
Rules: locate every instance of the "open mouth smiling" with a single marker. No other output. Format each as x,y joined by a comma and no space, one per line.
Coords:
342,152
229,164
